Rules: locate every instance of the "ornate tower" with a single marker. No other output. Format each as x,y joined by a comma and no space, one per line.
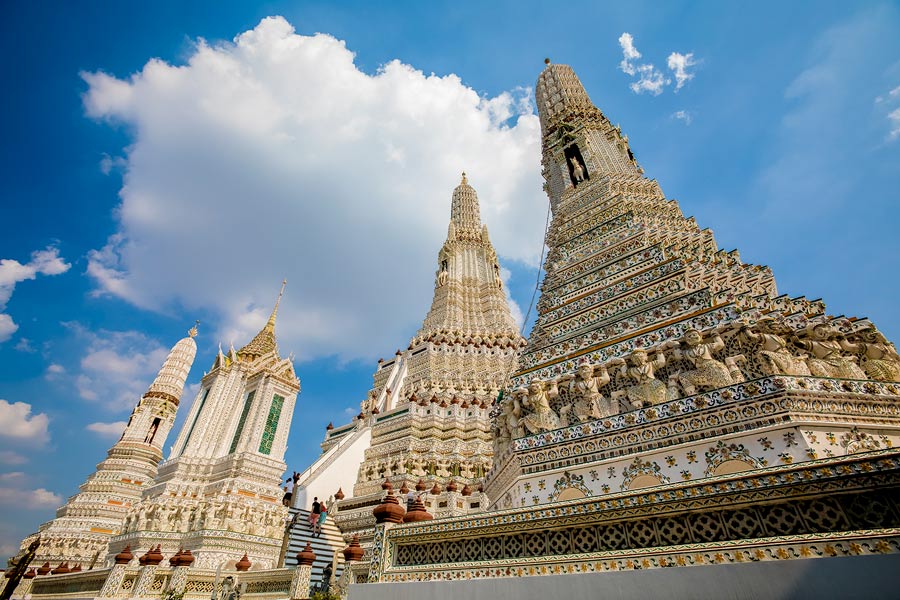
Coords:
428,409
642,317
82,528
219,494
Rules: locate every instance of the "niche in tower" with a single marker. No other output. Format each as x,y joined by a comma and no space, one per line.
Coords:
578,172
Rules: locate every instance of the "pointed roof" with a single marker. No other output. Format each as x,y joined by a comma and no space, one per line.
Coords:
264,341
169,382
559,93
465,214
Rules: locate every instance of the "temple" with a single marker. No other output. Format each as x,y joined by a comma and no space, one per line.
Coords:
424,425
82,528
219,493
669,409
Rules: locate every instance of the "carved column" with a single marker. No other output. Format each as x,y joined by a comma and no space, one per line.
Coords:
300,582
380,552
179,580
113,581
144,581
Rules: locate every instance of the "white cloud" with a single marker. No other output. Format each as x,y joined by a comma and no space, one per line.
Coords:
24,345
679,64
17,422
651,79
894,119
54,371
629,54
109,430
29,499
117,366
683,115
43,262
891,95
108,164
275,156
8,457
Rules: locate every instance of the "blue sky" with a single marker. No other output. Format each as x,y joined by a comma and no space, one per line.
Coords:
150,178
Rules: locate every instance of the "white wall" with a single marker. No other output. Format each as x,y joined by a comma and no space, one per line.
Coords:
341,473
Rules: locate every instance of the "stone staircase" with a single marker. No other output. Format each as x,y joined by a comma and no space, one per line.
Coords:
324,545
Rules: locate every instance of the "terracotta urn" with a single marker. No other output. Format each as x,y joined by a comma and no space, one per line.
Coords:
417,512
389,511
306,556
244,564
353,552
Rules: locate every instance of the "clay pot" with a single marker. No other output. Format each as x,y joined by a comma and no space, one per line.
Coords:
29,574
451,487
389,511
306,556
420,485
61,569
244,564
187,559
353,552
466,491
435,489
417,513
339,495
44,569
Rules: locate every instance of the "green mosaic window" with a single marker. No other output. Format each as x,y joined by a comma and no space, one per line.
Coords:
265,445
240,428
194,424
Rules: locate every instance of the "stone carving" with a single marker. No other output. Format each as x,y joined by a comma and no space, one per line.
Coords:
708,372
540,416
577,171
825,346
879,359
647,389
588,403
771,349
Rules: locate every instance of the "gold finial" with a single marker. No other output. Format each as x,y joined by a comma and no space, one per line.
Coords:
465,181
546,61
271,323
192,332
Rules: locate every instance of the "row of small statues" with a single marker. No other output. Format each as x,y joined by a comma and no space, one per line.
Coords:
241,518
421,467
775,350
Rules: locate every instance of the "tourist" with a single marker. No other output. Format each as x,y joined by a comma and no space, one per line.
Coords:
288,491
317,528
410,499
326,578
315,512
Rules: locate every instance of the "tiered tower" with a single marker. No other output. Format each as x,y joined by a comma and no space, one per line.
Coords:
670,408
428,409
641,317
219,494
82,528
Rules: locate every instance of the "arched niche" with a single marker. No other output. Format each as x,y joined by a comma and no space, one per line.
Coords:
732,466
573,157
643,481
570,493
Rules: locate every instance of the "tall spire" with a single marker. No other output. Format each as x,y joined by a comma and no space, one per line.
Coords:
169,382
264,341
468,294
465,213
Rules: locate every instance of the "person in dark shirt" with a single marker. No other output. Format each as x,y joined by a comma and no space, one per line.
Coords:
314,514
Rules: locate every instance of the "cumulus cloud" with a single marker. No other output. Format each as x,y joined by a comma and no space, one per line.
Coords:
29,499
650,79
107,430
12,272
683,115
274,156
117,366
54,371
679,64
17,423
24,345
